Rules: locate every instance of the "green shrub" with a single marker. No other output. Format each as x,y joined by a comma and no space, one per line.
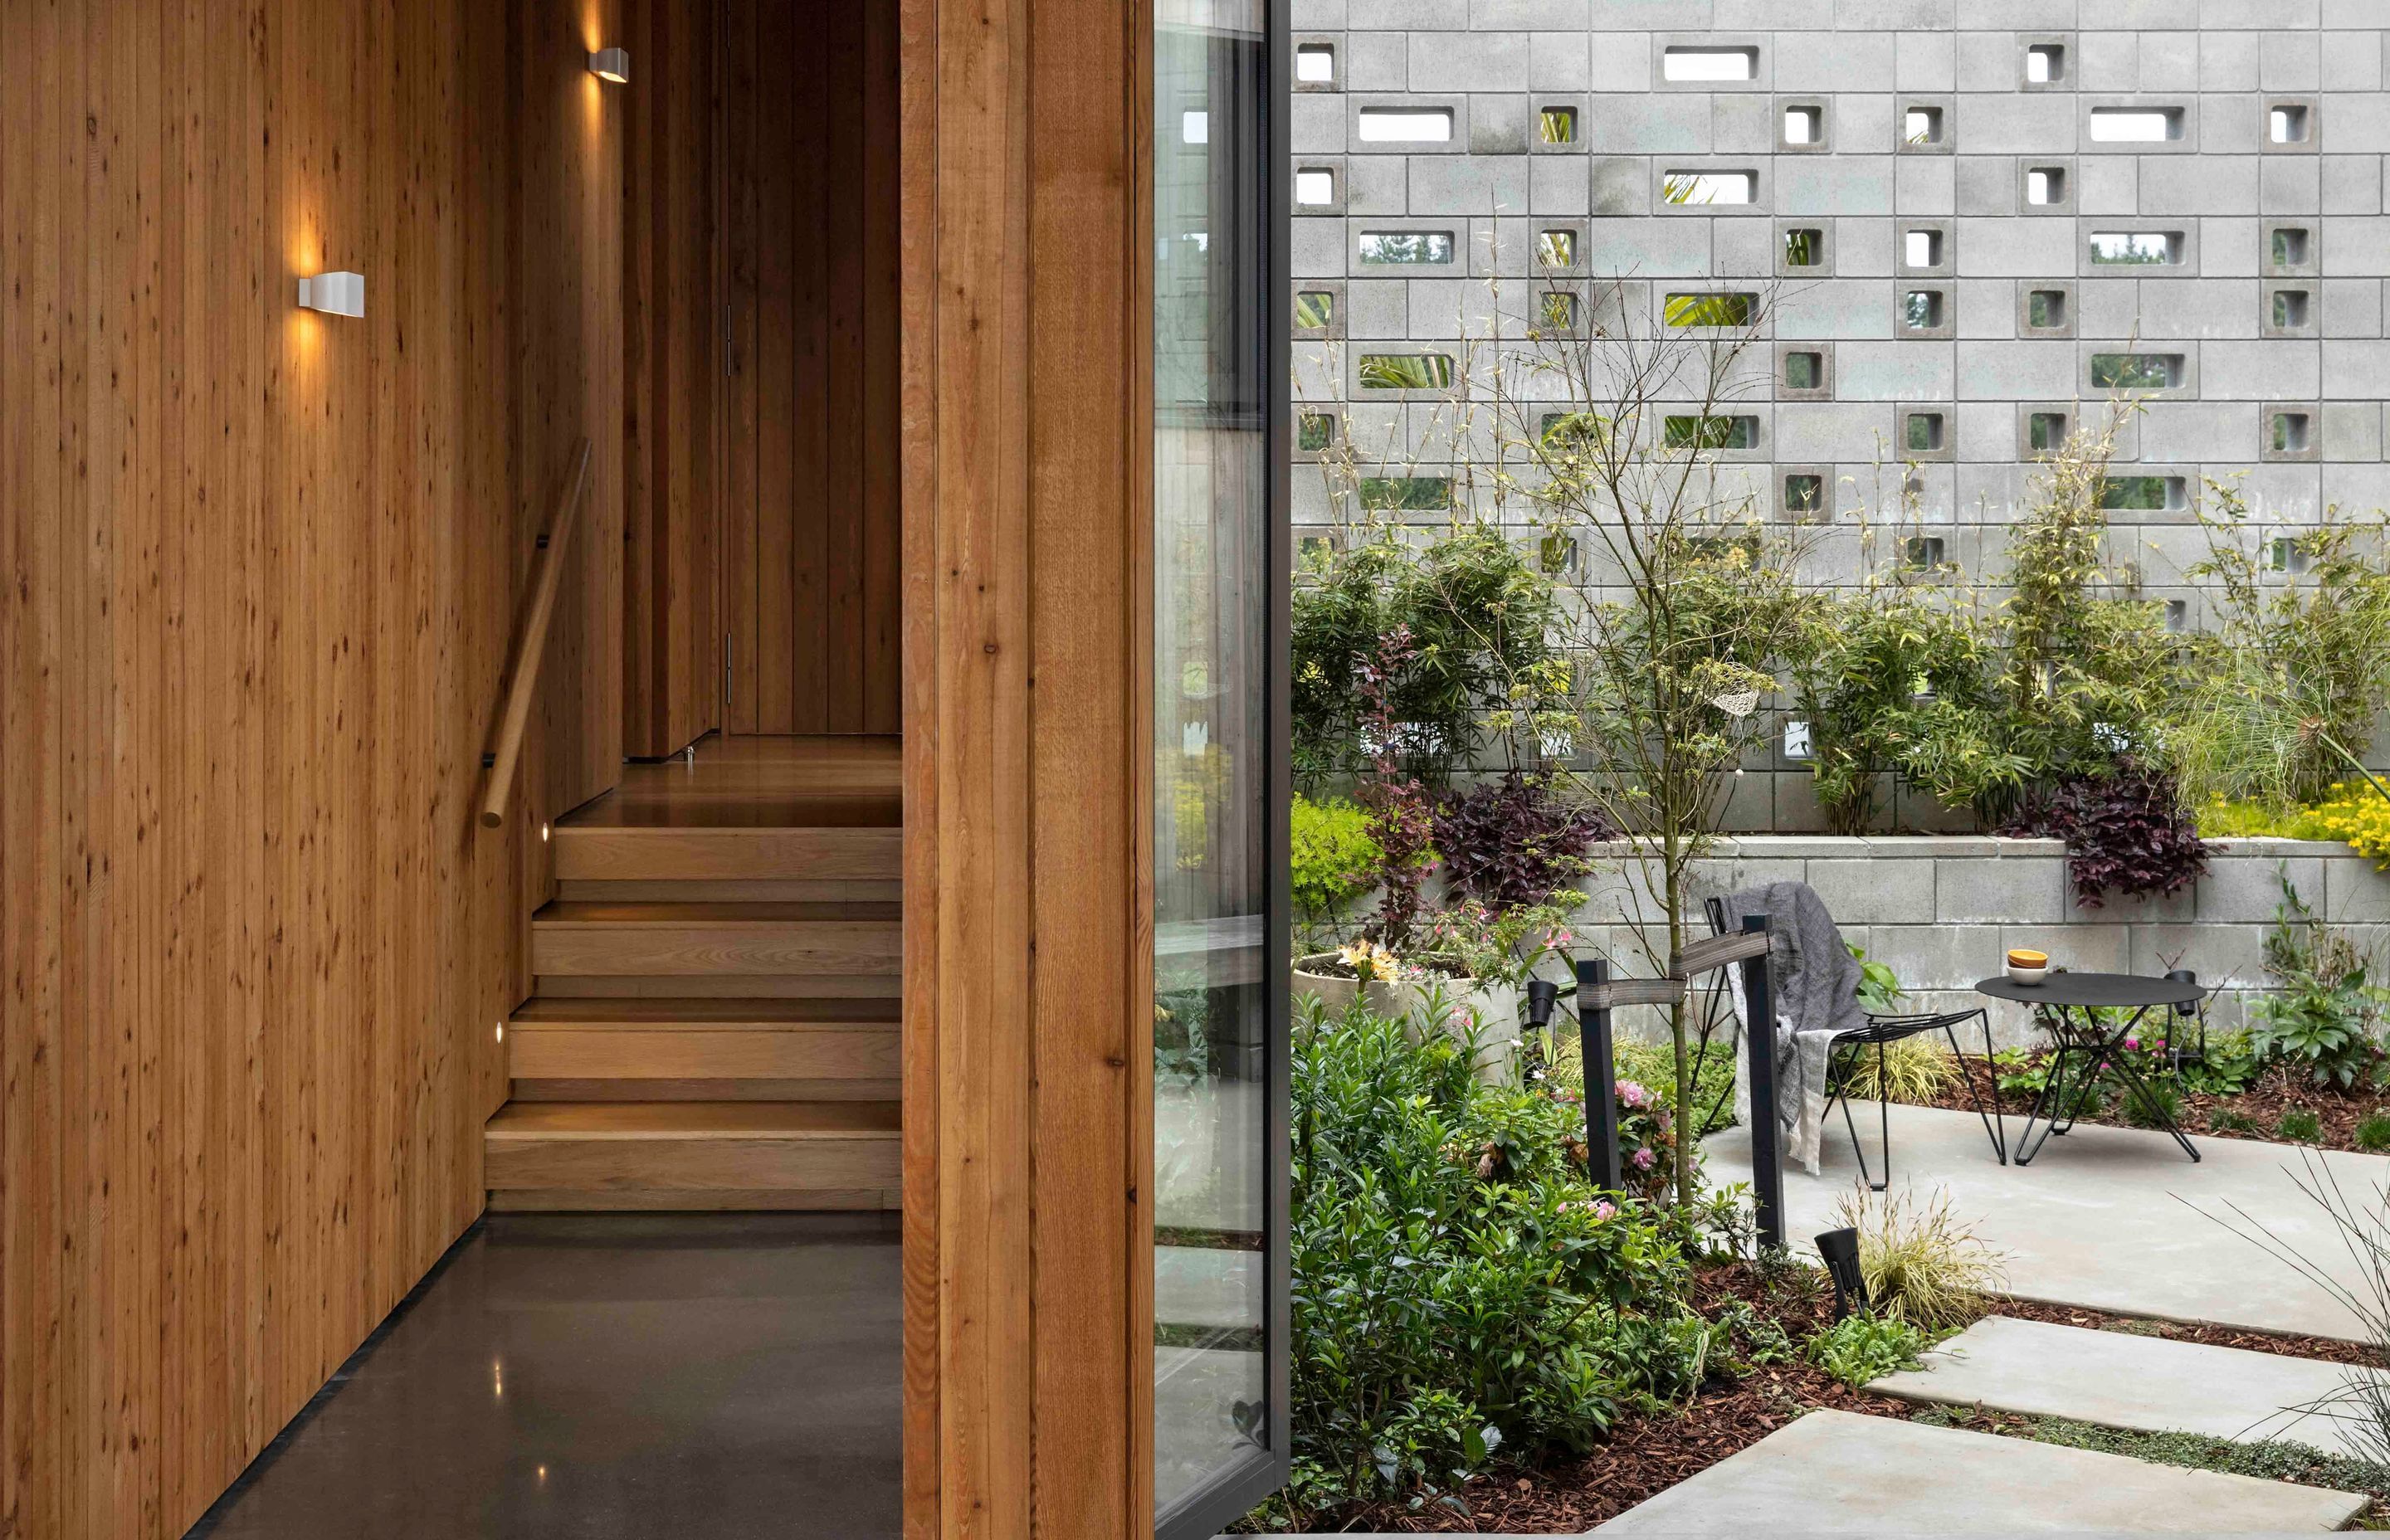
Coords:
2300,1125
1458,1288
1333,858
2323,1018
2228,1119
2156,1105
2373,1133
1861,1348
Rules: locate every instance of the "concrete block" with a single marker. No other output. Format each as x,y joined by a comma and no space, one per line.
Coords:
1835,185
1618,61
2276,370
2354,893
2225,63
2016,371
1656,123
2198,184
2250,889
1865,891
1934,956
1560,61
1447,62
2351,184
2026,890
2015,247
2290,185
2169,61
1447,187
1377,61
2225,955
1377,185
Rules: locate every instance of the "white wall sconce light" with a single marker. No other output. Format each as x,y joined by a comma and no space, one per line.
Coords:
613,65
334,293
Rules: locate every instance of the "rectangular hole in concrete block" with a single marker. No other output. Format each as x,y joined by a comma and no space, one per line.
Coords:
2136,371
1406,247
1711,64
2045,309
2287,124
1922,309
2045,63
1709,309
1315,309
1688,431
1804,371
1922,433
1406,125
1709,187
1556,249
1406,371
2136,126
2046,186
1313,431
1314,62
2292,433
1805,248
1805,126
2045,431
1805,493
1315,187
2290,246
1923,553
1556,125
2142,494
1921,125
1922,248
2291,309
2137,248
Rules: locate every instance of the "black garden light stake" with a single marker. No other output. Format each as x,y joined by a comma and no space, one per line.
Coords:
1600,1073
1841,1251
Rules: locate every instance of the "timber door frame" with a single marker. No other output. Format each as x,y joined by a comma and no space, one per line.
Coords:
1028,501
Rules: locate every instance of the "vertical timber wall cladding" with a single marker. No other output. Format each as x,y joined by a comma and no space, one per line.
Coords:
261,568
810,575
1028,510
673,309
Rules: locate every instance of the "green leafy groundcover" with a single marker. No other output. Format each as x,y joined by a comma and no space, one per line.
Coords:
1461,1294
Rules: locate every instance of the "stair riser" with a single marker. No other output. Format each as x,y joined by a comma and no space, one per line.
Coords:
636,1199
725,890
729,854
736,986
570,1162
890,1089
701,1053
713,950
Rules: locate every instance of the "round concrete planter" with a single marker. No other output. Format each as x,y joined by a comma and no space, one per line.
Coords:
1466,1001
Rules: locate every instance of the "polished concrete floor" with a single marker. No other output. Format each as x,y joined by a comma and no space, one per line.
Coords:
603,1376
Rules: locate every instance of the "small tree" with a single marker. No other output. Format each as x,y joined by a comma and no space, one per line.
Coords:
1612,431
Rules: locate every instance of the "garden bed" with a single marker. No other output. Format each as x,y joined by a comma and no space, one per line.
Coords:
1648,1453
2256,1113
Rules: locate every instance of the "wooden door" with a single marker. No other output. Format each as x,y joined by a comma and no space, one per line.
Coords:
809,558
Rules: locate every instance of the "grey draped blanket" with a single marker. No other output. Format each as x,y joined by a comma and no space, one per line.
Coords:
1815,982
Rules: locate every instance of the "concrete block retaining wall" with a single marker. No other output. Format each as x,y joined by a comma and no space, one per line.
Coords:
1942,910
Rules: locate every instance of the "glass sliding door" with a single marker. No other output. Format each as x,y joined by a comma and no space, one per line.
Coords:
1219,851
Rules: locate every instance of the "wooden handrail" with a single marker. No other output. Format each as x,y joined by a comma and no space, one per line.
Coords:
531,649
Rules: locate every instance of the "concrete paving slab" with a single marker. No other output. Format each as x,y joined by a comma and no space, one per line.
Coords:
1842,1474
2117,1380
2112,1218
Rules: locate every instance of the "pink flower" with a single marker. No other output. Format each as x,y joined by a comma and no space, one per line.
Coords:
1643,1159
1604,1209
2132,1042
1632,1095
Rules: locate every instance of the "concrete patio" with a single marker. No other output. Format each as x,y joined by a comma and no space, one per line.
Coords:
2111,1218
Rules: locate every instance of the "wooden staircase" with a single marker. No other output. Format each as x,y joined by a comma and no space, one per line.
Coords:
714,1022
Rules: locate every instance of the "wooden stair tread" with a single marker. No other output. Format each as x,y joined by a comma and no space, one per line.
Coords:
716,912
741,814
695,1120
663,1013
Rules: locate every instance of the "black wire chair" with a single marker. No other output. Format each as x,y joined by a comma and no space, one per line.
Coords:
1844,1054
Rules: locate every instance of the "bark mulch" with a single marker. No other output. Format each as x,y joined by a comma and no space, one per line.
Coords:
2276,1091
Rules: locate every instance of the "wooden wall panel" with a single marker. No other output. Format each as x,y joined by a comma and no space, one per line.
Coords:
812,566
1028,505
672,316
261,569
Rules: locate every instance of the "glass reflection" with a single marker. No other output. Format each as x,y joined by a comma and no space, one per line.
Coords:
1211,750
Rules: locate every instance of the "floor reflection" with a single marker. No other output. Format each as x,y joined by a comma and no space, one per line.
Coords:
609,1376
